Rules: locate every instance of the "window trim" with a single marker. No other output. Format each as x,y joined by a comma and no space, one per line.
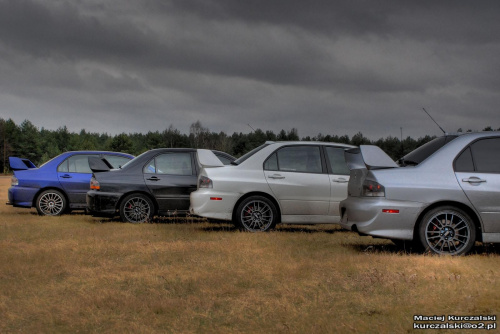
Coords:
324,169
472,155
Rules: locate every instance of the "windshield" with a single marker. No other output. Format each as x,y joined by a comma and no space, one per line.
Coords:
248,155
421,153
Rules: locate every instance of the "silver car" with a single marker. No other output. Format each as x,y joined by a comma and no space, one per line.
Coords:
278,182
444,196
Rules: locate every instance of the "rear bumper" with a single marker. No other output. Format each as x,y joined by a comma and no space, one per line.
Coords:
21,196
212,204
366,216
102,202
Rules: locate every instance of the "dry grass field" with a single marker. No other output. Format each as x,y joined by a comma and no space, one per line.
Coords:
78,274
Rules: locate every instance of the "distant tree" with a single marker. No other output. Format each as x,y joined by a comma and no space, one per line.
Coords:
121,143
488,128
29,142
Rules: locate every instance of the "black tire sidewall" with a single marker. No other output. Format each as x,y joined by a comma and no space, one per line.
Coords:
463,214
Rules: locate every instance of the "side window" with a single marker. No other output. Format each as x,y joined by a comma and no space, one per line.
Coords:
486,155
271,163
464,162
337,162
76,164
171,163
116,160
305,159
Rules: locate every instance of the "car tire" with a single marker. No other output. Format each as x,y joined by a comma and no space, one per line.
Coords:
51,203
256,214
447,230
136,209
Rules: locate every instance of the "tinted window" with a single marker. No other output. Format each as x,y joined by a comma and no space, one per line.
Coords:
464,162
171,163
300,159
337,161
223,159
271,162
116,161
423,152
76,164
249,154
486,155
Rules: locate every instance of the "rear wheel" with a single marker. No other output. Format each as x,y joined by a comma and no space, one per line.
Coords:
256,214
447,230
136,208
51,203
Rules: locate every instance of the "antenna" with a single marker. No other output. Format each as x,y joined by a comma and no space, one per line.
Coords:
251,127
434,120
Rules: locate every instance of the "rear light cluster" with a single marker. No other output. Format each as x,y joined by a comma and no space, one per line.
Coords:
94,184
373,189
205,182
14,181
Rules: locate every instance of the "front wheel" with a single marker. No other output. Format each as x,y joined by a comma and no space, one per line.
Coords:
447,230
136,208
51,203
256,214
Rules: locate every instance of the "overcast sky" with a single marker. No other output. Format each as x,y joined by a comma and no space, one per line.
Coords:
330,67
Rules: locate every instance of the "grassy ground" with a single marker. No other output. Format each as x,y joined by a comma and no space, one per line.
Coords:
78,274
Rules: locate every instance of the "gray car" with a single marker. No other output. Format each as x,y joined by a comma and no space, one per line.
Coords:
444,196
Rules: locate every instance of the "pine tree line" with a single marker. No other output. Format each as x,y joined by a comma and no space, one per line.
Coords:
39,145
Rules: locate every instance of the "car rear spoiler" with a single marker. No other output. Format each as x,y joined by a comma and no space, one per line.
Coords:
20,163
369,157
98,165
208,159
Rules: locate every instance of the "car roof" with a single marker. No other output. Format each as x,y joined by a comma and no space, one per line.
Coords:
298,142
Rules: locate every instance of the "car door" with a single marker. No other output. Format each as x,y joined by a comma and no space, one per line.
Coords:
297,177
74,176
171,177
477,170
338,173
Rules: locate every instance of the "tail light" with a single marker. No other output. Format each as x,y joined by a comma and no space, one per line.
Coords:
373,189
14,181
205,182
94,184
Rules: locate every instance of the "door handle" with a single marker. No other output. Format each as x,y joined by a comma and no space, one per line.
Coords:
275,176
473,180
153,178
340,180
66,176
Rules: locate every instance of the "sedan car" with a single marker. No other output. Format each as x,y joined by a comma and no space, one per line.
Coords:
59,184
444,196
278,182
157,182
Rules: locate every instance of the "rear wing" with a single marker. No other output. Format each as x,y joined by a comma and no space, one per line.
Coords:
369,157
208,159
20,163
98,165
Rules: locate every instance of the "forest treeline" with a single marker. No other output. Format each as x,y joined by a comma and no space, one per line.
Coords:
39,145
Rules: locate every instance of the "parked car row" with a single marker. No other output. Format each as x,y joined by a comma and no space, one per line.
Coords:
442,197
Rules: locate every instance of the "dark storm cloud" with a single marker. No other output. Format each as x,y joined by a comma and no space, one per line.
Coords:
320,66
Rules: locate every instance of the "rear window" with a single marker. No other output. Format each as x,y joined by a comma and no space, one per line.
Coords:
421,153
249,154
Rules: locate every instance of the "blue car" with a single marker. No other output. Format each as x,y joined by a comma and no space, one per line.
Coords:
60,184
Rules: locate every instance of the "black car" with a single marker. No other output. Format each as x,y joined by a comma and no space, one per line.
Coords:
157,182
